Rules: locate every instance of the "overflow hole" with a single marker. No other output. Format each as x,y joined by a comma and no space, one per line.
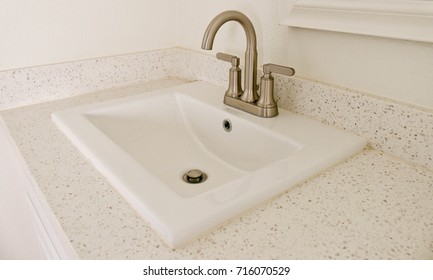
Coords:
227,125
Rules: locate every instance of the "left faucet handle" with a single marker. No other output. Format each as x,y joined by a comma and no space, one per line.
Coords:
234,60
234,89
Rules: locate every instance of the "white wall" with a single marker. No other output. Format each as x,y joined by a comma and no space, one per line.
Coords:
394,69
51,31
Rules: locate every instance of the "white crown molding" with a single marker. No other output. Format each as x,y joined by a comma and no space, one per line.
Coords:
410,20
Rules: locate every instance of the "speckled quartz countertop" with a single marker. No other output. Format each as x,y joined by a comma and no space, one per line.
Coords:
371,206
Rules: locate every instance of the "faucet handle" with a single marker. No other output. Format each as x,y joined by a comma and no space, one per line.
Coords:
274,68
229,58
234,90
266,100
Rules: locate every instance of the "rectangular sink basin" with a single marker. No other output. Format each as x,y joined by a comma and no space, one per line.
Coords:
187,163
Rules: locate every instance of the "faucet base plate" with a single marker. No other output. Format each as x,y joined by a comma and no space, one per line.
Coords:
252,108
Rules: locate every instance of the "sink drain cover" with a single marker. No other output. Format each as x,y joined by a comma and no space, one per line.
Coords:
194,176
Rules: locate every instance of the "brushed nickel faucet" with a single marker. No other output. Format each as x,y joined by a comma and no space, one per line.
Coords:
250,80
246,100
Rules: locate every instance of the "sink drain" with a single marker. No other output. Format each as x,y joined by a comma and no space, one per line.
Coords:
194,176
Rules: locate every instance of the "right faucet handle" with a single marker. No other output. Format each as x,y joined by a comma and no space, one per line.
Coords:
274,68
266,99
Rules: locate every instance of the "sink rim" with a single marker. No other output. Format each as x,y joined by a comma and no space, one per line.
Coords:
222,203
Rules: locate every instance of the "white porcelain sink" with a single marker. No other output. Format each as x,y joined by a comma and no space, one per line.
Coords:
145,144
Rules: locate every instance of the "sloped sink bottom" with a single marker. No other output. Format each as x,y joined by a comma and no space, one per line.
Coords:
145,144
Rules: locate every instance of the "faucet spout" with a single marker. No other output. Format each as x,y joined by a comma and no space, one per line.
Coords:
250,79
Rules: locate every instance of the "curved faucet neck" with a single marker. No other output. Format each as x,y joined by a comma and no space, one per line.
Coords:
224,17
250,81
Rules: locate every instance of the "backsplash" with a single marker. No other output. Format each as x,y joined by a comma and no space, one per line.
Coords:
398,129
44,83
